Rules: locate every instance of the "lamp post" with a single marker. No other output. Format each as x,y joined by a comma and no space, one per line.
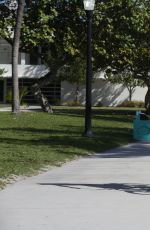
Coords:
89,7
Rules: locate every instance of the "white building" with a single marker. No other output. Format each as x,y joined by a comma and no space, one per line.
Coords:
103,93
30,68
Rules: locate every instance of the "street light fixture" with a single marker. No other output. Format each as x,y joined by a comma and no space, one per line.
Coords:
89,7
89,4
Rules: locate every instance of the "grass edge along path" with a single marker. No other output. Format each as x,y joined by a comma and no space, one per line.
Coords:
33,141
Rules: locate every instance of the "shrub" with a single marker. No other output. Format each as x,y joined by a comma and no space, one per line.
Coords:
99,104
74,103
55,101
135,104
9,96
22,93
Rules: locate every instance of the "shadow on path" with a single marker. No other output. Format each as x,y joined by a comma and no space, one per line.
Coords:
130,151
140,189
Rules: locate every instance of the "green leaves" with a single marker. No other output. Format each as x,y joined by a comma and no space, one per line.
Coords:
2,71
120,31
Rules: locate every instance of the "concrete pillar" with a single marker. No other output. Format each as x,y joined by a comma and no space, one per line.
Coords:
23,58
39,59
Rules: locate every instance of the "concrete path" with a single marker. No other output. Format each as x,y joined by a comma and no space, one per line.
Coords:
107,191
31,108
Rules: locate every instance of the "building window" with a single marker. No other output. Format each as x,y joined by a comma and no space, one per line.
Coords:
51,91
6,53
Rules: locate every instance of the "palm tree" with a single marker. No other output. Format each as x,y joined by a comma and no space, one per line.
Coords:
15,52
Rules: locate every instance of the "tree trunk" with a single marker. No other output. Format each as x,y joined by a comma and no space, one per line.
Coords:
147,101
130,90
130,93
43,81
41,99
15,53
77,94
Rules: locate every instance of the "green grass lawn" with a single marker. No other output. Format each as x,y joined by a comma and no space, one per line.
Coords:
34,140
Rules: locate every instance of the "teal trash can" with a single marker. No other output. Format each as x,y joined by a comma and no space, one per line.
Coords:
141,129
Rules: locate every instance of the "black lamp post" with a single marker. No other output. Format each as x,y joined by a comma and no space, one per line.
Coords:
89,7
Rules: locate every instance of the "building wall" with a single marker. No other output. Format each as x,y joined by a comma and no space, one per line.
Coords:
29,69
25,71
102,92
5,52
51,91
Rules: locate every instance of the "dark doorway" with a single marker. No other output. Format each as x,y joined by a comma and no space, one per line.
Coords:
1,90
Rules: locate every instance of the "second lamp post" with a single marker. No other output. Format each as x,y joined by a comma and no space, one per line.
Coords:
89,7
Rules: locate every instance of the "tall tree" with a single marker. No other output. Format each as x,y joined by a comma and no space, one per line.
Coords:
58,26
126,78
15,52
128,36
75,73
141,60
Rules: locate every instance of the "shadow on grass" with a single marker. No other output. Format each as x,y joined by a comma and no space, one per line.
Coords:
105,138
115,118
40,131
128,117
115,111
140,189
96,111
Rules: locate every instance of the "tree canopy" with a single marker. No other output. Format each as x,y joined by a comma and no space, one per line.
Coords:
60,27
121,33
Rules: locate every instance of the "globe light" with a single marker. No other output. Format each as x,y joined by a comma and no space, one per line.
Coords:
89,4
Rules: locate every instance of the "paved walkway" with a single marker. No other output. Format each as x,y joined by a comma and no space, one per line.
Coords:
107,191
31,108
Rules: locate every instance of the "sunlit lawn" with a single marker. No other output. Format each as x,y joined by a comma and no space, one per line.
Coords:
34,140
